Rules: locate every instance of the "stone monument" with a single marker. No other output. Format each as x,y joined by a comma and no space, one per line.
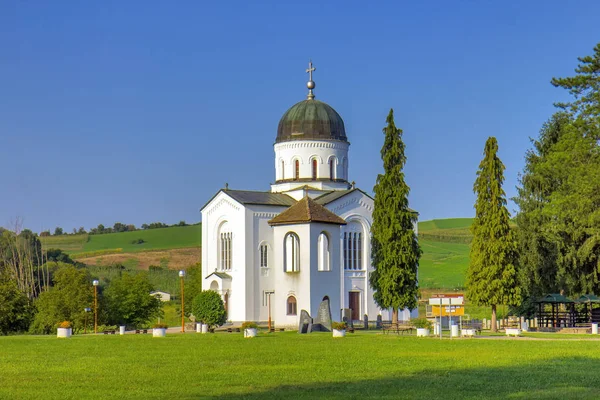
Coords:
306,322
322,322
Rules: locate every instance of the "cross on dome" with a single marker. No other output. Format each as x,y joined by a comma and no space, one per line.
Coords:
310,84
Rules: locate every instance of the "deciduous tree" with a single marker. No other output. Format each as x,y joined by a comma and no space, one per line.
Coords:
208,308
128,300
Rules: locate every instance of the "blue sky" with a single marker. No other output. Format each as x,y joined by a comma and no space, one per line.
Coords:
140,111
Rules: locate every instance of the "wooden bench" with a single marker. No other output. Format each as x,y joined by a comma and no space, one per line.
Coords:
141,331
397,328
109,332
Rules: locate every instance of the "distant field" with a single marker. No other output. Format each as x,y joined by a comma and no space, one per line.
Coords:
443,265
172,258
449,223
154,239
452,230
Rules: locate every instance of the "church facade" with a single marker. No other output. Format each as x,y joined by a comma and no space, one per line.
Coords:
272,254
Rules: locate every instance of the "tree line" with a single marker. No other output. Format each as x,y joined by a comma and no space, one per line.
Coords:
40,288
117,227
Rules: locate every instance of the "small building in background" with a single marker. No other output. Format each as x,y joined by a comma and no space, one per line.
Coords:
162,296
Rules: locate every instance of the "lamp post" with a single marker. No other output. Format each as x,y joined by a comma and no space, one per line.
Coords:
269,309
87,310
182,275
95,283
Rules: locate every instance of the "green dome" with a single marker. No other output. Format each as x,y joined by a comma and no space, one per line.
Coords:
311,119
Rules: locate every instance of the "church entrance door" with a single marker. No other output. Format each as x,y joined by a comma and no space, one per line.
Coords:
226,302
354,304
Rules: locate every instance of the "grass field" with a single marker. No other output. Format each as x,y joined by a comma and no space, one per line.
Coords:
452,230
288,365
443,265
154,239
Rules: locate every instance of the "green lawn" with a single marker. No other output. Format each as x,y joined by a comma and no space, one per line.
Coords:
154,239
288,365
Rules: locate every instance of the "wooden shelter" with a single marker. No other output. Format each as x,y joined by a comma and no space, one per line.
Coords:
556,311
590,312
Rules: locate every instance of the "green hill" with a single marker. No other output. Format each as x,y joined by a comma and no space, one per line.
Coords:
452,230
445,245
151,239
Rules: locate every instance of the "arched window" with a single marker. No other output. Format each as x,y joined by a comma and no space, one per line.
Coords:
332,168
314,169
291,306
264,253
225,247
323,250
282,169
345,170
296,170
353,247
291,253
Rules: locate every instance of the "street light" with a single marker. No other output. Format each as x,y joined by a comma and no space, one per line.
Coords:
95,283
87,310
182,275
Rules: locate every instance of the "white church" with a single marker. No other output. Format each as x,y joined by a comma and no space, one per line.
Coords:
274,253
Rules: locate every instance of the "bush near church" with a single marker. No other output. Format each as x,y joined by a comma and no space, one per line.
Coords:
208,308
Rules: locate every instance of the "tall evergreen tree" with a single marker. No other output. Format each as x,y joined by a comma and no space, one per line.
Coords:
395,251
559,197
492,276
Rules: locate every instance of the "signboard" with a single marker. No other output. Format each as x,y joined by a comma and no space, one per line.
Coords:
447,310
447,299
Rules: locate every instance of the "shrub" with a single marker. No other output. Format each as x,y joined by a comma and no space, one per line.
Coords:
208,308
422,323
160,326
138,241
65,324
339,326
249,325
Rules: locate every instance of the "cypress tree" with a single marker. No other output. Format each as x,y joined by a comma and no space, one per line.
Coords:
492,276
395,251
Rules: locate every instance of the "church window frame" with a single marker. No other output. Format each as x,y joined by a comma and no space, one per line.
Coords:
332,171
291,306
296,170
323,252
352,244
263,254
291,252
314,165
224,247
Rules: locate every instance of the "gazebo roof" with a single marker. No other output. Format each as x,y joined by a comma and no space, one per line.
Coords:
555,298
588,298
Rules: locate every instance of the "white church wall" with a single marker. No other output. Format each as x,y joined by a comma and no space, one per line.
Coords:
224,210
259,279
287,284
325,283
